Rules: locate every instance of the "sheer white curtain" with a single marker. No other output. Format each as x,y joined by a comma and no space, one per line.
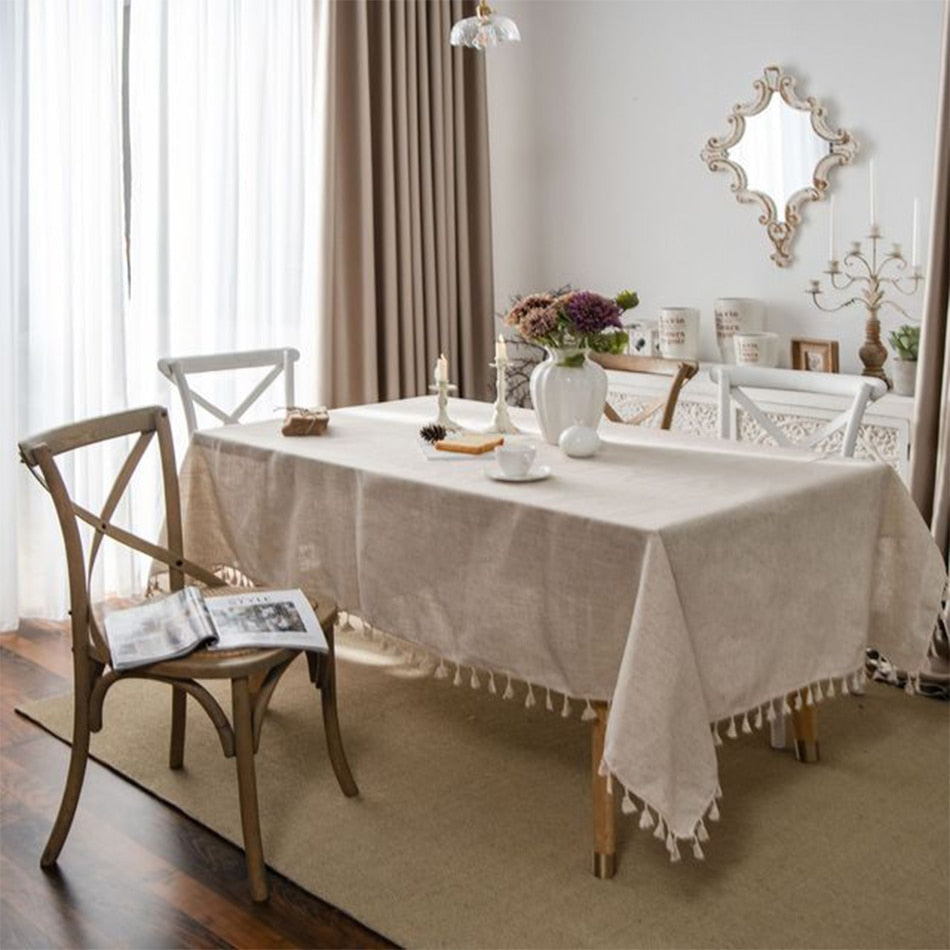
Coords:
225,105
225,184
65,349
12,147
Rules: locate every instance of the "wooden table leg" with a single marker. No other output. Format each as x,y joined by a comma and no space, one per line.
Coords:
805,721
604,806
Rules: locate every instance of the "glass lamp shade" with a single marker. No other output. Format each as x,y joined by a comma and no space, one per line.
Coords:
484,30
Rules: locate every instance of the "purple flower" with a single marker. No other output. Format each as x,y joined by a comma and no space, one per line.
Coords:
591,313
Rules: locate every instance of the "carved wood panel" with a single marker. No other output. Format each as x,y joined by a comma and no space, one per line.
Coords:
875,441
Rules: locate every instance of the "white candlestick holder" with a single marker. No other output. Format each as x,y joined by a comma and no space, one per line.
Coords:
501,421
442,388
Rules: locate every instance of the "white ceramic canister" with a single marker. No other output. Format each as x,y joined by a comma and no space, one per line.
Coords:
679,333
756,349
736,315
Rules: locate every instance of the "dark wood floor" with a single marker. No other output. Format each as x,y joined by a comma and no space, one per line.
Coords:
134,872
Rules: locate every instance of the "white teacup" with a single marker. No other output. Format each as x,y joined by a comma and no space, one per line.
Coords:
679,333
736,315
515,458
756,349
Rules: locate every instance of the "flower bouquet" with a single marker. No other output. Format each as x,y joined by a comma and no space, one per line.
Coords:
573,322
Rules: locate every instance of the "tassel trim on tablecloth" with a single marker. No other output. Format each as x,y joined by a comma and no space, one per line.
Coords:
651,817
465,673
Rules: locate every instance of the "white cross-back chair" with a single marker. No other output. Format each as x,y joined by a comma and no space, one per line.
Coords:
276,361
734,381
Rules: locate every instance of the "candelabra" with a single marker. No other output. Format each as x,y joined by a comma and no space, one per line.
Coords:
501,421
876,276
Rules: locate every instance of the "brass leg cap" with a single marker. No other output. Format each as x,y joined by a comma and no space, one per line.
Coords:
605,865
806,751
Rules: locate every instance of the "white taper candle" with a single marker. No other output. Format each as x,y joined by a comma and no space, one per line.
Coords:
913,256
873,201
831,230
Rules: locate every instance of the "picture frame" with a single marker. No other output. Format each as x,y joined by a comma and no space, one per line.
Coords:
816,356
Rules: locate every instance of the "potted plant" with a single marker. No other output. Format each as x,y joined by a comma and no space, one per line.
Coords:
905,341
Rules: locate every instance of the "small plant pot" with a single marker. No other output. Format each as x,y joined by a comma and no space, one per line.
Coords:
905,377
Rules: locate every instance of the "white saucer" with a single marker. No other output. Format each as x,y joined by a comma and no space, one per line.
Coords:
535,475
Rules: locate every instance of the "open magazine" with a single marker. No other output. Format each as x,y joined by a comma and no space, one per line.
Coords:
173,626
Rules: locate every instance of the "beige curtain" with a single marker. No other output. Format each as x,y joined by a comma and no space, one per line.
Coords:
408,217
930,439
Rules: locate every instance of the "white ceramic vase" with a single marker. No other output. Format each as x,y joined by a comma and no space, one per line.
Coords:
567,389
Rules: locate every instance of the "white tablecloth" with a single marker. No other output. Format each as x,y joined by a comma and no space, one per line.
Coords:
685,581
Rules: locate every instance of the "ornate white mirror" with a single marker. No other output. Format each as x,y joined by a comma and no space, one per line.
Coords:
779,150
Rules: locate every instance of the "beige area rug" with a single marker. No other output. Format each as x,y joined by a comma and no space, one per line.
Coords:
472,825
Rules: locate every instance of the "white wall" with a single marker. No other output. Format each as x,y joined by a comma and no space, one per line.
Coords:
598,117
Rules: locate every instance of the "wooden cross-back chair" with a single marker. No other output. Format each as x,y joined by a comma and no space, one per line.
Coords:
177,369
734,381
664,406
253,673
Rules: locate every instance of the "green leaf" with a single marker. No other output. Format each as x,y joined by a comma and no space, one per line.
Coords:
905,341
627,299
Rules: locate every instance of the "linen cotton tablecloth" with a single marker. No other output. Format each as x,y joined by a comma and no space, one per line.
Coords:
687,582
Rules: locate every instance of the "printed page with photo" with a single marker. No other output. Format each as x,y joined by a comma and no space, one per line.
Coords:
275,618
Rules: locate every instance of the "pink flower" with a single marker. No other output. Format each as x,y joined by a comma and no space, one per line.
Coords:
525,306
539,322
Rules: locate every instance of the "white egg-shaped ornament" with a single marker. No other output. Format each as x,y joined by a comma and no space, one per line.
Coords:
579,442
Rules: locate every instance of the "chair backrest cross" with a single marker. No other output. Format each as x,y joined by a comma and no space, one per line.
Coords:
178,369
40,453
735,381
663,407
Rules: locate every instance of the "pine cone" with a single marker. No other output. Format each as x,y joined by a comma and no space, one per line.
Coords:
432,433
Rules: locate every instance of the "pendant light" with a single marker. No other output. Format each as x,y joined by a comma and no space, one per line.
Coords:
484,29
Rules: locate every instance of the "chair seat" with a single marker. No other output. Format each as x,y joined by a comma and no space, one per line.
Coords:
204,664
